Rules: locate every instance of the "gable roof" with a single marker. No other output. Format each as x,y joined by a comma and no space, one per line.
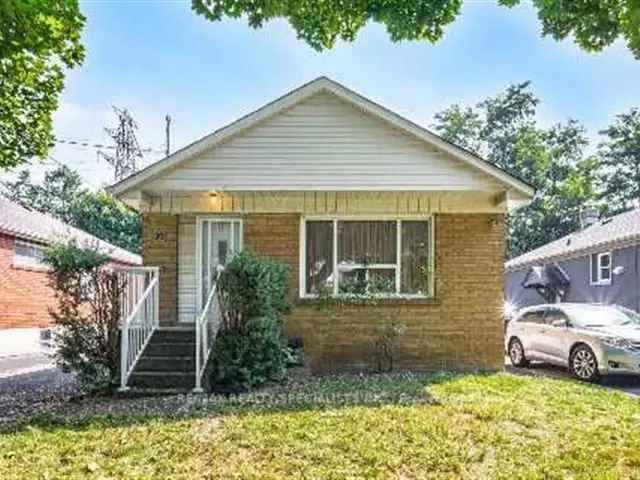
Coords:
614,232
22,223
298,95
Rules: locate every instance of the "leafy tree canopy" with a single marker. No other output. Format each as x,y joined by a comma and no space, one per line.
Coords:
38,40
620,154
593,23
504,129
62,195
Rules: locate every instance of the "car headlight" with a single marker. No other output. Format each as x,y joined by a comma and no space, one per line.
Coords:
616,342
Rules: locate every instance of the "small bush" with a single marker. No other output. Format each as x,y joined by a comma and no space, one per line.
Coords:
86,315
250,348
385,346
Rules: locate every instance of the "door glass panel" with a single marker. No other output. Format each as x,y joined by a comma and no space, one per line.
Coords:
220,244
236,236
220,239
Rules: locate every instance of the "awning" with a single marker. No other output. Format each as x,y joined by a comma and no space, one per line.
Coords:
550,281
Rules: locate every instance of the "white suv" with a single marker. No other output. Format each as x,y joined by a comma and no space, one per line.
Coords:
591,340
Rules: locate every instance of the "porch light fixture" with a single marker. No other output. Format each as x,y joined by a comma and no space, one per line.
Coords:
213,193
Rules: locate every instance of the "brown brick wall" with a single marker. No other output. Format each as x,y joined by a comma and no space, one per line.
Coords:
25,296
460,328
276,236
160,249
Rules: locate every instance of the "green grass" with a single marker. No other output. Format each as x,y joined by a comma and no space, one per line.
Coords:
480,426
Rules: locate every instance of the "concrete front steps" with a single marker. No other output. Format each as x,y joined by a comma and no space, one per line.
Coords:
168,362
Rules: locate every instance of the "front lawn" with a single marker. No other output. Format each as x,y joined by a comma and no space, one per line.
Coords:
468,426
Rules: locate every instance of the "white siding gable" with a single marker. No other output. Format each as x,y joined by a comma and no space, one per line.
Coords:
323,143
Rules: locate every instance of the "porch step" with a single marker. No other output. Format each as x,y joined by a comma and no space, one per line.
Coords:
166,349
167,362
174,336
162,380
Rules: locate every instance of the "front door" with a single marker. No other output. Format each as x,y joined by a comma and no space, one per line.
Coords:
218,239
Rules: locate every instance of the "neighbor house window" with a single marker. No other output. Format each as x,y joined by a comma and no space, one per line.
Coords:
367,256
28,254
601,268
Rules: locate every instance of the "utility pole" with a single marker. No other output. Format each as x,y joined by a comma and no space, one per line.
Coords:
127,148
167,132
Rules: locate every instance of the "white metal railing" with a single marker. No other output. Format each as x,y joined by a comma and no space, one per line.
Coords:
140,305
207,325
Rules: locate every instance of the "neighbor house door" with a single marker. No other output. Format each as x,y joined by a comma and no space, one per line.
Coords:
216,241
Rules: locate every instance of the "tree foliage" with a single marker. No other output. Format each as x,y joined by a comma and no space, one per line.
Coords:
55,195
62,195
106,217
593,23
504,129
620,154
87,313
321,23
38,40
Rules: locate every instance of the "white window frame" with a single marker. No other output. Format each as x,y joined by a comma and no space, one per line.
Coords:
213,219
27,262
397,266
600,280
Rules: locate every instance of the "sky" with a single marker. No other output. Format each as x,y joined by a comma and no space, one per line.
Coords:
157,57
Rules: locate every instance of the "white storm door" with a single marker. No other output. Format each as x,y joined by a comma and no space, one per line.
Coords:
216,242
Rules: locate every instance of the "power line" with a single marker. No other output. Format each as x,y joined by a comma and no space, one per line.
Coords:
89,144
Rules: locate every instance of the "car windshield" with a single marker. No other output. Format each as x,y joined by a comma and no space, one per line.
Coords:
602,316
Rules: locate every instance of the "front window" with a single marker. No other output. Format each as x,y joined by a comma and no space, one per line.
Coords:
381,257
601,268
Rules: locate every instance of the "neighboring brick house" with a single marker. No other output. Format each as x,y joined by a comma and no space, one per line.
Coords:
340,189
25,296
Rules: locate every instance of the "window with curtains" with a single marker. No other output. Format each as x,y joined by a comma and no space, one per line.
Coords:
382,257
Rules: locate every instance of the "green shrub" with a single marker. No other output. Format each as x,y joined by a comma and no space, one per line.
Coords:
250,348
251,286
87,314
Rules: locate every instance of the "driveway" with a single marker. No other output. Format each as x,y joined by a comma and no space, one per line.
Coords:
625,383
12,365
29,382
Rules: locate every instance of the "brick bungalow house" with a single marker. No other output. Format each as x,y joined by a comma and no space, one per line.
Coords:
24,294
338,188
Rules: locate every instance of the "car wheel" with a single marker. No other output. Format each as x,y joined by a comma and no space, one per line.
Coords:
516,353
583,364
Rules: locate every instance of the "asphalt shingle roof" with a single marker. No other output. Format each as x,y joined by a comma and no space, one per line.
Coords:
621,229
39,227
